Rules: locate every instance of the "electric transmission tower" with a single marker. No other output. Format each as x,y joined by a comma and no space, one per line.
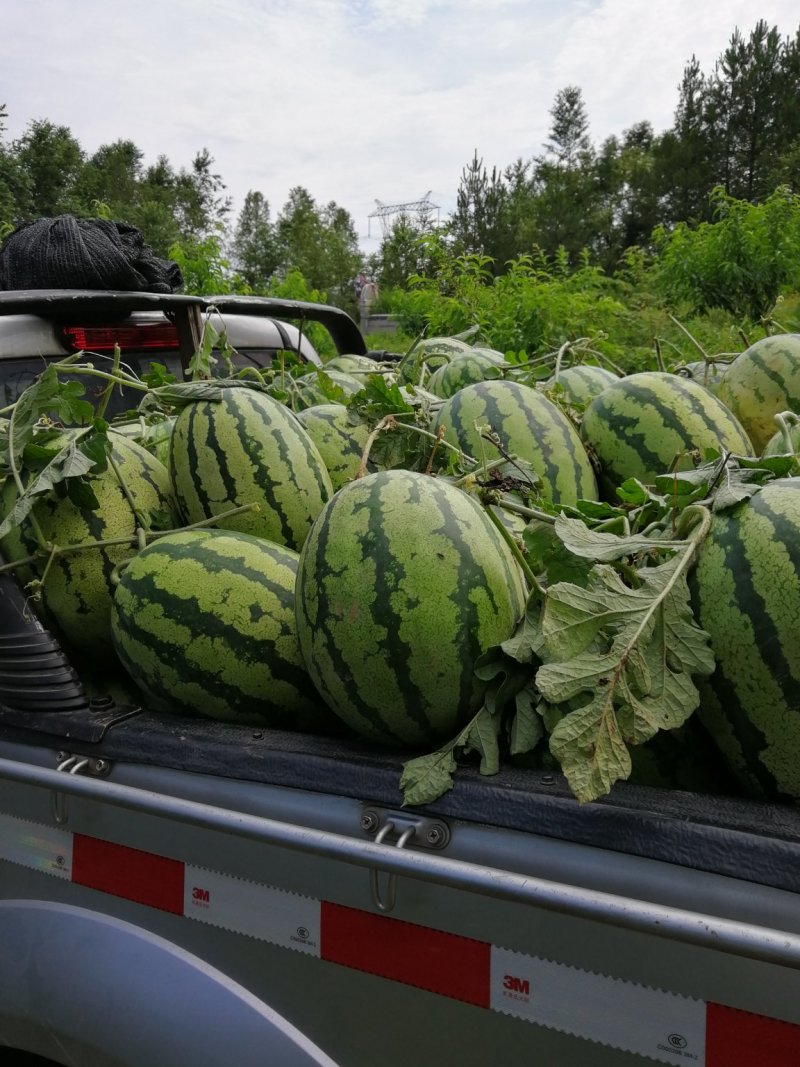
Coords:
386,212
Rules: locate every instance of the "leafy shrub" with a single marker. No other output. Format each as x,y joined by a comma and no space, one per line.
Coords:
741,262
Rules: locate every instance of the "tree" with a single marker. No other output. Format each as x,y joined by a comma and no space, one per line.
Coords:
51,161
568,141
112,176
565,205
401,252
321,243
201,206
741,262
626,185
477,225
255,249
747,101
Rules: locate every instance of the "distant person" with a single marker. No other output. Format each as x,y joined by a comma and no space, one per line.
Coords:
360,282
368,296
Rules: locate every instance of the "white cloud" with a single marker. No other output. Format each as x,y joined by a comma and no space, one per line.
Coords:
355,99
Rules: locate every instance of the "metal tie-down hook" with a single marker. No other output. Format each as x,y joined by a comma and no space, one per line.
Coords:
387,903
71,765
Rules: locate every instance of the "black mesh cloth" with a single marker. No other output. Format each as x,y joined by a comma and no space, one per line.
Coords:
69,253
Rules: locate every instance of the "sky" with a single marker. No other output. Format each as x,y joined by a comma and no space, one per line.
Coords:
356,100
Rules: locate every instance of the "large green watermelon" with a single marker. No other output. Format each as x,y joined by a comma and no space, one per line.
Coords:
340,439
583,382
310,390
528,425
640,424
76,594
427,355
460,371
746,594
403,582
203,621
247,448
760,382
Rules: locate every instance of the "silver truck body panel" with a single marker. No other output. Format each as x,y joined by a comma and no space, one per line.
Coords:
592,972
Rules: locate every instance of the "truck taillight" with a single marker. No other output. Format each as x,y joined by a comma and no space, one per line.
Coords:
129,336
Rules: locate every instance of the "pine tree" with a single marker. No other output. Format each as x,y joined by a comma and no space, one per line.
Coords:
255,251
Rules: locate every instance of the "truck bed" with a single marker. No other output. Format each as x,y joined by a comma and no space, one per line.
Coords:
718,834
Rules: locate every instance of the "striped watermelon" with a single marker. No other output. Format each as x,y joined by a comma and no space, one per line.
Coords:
746,594
639,424
428,354
358,366
203,621
491,353
708,375
247,448
154,436
760,382
403,582
583,382
310,390
77,592
788,443
528,425
340,439
460,371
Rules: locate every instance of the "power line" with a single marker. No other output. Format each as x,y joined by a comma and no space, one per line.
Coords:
386,212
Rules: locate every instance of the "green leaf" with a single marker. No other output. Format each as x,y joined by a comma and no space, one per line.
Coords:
69,463
590,749
737,484
157,375
203,360
605,547
426,778
631,656
527,728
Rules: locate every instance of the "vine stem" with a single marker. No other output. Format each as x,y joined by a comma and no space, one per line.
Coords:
559,358
109,389
530,577
134,539
693,339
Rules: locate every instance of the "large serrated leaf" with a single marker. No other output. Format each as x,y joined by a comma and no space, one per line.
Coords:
605,547
631,654
590,748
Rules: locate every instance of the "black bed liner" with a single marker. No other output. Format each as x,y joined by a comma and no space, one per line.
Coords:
750,840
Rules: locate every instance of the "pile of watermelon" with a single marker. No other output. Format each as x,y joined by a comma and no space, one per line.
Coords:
299,577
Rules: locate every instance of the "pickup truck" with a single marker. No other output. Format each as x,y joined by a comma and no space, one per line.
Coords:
178,891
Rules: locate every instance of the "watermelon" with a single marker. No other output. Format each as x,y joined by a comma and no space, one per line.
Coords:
785,443
460,371
340,439
310,390
491,353
528,425
203,621
357,366
154,436
760,382
403,582
640,424
708,375
248,448
746,593
77,592
428,354
583,382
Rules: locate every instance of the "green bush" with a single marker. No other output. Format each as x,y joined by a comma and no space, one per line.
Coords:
740,263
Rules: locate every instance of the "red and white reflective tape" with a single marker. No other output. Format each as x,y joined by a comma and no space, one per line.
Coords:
664,1026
